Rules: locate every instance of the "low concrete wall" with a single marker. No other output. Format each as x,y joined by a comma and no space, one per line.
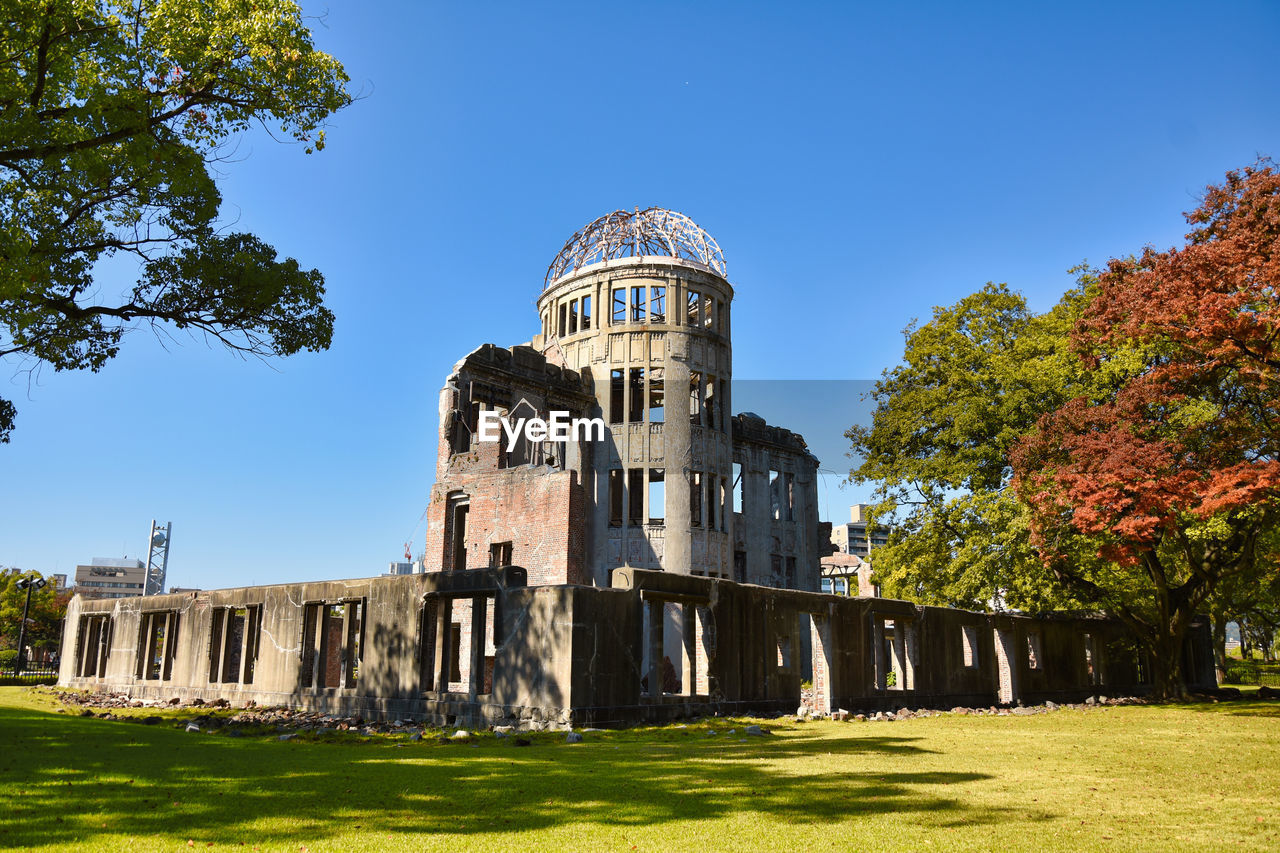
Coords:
480,647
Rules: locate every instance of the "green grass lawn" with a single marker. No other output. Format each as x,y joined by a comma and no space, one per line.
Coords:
1192,777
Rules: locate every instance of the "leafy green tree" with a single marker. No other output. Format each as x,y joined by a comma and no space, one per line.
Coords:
974,380
44,619
111,114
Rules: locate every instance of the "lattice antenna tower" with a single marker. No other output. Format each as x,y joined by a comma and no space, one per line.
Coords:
157,557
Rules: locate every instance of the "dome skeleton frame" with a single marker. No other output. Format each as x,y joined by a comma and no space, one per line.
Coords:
621,234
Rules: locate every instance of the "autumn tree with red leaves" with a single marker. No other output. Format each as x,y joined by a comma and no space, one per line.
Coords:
1147,497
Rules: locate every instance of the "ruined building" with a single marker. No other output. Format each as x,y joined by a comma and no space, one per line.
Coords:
636,315
665,564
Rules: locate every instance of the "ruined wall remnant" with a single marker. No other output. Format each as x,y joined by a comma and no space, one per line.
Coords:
484,647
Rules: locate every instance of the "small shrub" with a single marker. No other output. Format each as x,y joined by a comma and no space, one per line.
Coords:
7,657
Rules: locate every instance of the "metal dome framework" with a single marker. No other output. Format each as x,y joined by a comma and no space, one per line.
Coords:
622,234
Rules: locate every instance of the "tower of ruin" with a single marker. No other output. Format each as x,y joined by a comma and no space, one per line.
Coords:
638,304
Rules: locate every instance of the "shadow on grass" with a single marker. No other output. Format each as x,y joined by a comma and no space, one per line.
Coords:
1245,707
69,777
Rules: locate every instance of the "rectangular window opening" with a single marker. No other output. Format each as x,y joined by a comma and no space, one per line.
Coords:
711,502
691,313
695,398
563,318
615,498
657,496
969,641
427,644
618,314
499,554
586,313
658,305
1034,659
737,487
712,403
657,400
573,317
695,499
635,390
616,391
635,496
775,494
637,305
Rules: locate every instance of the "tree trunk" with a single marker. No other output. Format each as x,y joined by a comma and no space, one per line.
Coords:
1166,664
1220,646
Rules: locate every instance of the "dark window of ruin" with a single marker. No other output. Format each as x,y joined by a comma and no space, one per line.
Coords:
310,630
499,554
789,481
784,652
637,304
355,640
658,305
455,651
332,630
711,502
457,532
619,315
573,317
333,643
635,395
635,496
586,313
737,487
616,390
726,498
775,568
775,494
789,578
657,496
969,641
692,303
427,643
615,498
695,398
1091,662
740,566
708,313
523,451
1034,660
712,401
233,646
564,310
695,498
657,398
157,645
94,646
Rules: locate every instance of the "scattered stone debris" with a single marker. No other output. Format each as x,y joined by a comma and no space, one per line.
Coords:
573,737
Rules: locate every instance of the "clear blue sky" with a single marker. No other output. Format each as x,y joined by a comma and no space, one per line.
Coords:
858,164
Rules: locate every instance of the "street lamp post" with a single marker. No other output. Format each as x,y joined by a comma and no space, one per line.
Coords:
30,584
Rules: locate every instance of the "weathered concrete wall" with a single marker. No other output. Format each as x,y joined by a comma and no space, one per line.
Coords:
580,654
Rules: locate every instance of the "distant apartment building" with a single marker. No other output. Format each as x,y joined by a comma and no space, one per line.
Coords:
405,567
856,536
106,577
